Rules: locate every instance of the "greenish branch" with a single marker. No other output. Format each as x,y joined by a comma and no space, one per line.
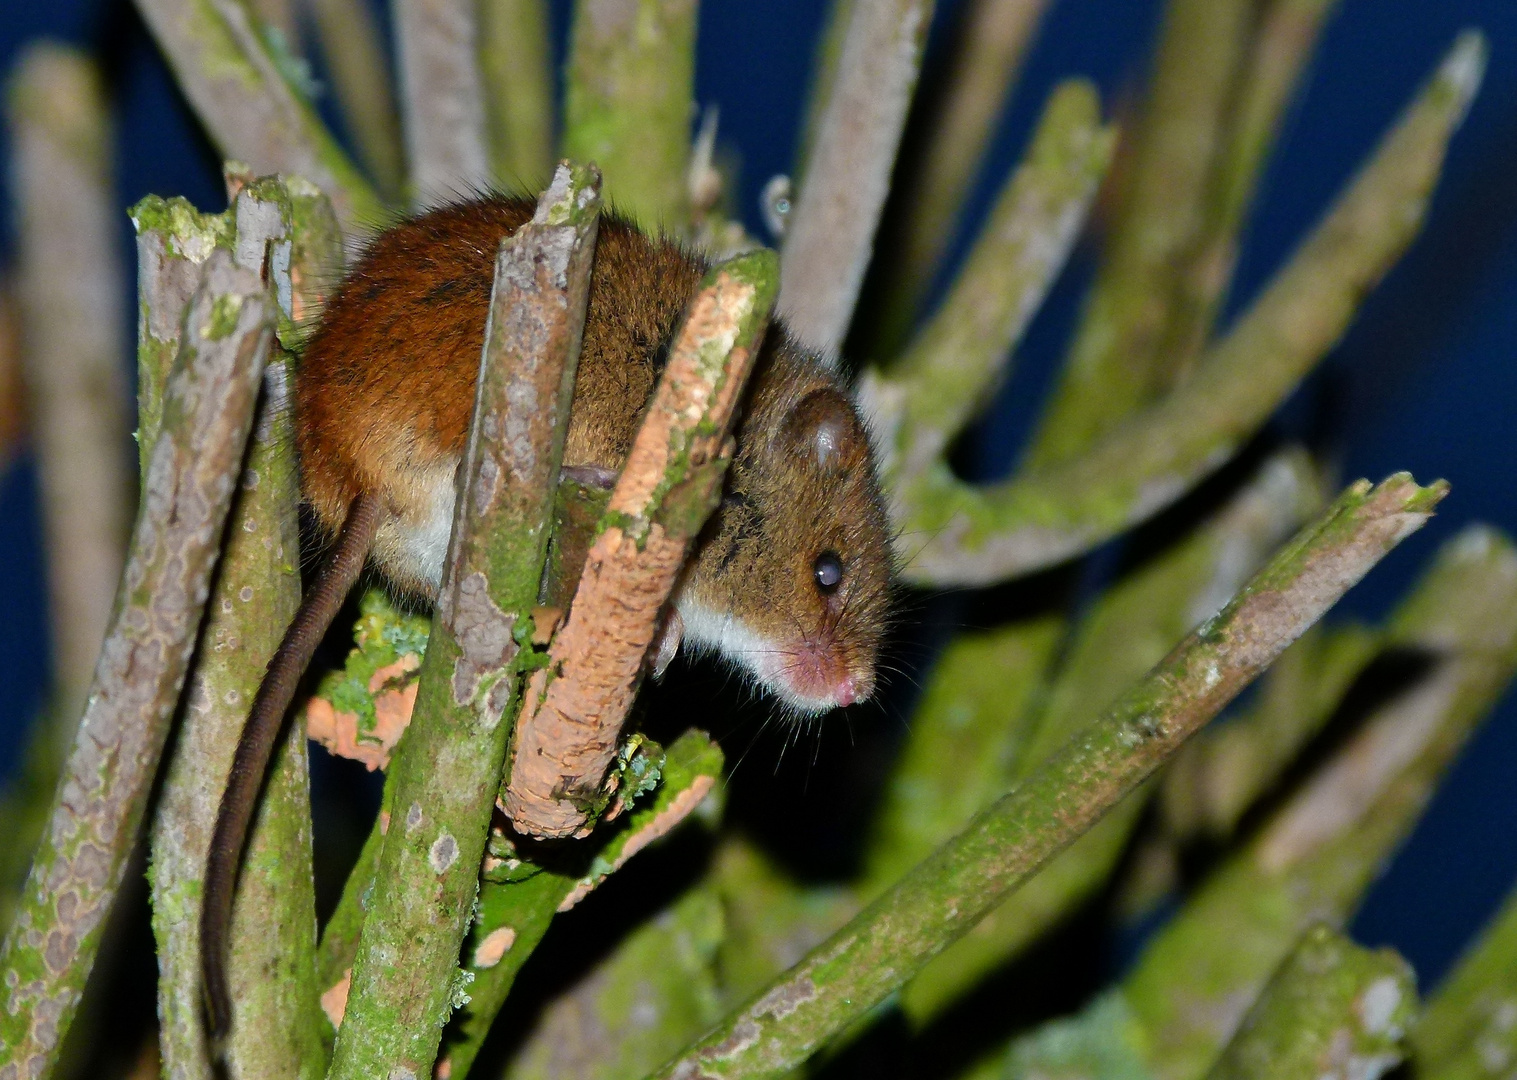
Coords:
991,40
1467,1031
447,771
953,533
516,67
1331,1009
953,367
348,35
846,976
1117,362
249,107
1315,857
629,92
518,898
441,98
99,805
254,595
1128,630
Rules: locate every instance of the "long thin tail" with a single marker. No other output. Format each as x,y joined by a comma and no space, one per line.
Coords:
265,722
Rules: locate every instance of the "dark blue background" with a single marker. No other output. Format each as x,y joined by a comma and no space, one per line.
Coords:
1424,381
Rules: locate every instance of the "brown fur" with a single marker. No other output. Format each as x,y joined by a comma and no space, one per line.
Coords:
386,390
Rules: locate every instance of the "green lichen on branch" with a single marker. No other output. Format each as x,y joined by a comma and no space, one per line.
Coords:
1313,859
1332,1008
98,809
519,898
628,101
1468,1031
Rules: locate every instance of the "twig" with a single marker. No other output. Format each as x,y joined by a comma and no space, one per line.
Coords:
515,62
1313,860
71,320
254,595
628,101
248,107
671,482
991,40
1332,1009
12,412
441,99
356,65
1283,46
1126,632
981,535
447,772
846,976
949,371
1117,364
208,409
830,234
1466,1031
517,903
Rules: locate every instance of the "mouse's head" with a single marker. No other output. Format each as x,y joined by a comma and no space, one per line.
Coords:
792,577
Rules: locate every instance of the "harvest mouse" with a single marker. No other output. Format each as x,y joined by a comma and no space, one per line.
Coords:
789,581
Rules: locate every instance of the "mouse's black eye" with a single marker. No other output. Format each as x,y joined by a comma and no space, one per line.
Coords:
828,570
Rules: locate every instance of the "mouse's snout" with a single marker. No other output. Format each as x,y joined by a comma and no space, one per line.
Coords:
817,673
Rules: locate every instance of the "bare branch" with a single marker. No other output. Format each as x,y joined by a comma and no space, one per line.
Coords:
672,479
951,370
1331,1009
991,41
208,410
441,100
1117,363
254,595
843,978
830,234
71,322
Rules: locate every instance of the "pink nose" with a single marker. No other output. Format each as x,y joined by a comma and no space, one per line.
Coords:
848,692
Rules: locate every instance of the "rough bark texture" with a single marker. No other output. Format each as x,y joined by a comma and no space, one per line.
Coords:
208,410
447,770
568,731
843,978
255,593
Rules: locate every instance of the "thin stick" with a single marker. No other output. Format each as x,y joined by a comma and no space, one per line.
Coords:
250,110
956,534
208,410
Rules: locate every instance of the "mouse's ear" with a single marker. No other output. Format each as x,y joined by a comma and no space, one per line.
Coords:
824,426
